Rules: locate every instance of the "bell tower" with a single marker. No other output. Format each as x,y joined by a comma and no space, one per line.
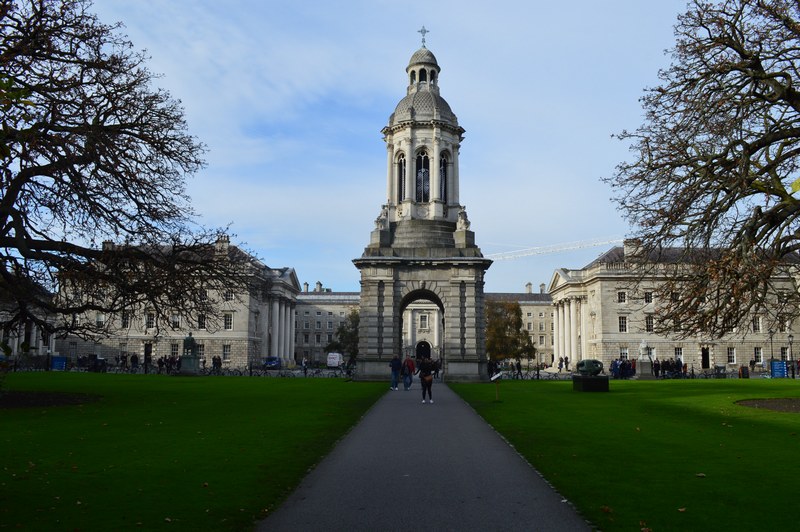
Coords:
422,247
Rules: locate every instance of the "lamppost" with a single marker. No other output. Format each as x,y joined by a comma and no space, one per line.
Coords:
771,352
791,361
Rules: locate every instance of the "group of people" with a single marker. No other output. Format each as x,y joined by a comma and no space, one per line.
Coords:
622,368
171,364
425,368
669,368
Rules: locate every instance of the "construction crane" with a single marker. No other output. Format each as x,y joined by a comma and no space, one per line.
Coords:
556,248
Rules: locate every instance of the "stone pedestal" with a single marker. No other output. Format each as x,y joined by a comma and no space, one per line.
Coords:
587,383
644,370
190,366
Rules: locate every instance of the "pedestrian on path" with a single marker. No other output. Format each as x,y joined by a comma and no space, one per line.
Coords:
408,372
395,367
426,378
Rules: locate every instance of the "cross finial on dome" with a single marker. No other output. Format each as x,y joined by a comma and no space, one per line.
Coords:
423,31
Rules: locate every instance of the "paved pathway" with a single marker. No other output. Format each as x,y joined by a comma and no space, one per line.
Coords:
410,466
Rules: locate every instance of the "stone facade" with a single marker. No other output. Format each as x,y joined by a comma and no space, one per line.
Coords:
605,311
249,327
317,317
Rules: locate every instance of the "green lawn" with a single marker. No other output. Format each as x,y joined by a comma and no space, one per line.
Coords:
161,452
668,455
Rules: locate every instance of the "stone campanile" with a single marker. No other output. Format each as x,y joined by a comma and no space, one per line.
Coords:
422,247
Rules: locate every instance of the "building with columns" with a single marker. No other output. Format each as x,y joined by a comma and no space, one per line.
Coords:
318,315
606,311
250,327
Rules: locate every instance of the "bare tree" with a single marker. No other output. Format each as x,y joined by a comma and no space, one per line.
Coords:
90,153
715,166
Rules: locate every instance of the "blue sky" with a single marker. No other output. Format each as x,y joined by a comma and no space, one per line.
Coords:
290,98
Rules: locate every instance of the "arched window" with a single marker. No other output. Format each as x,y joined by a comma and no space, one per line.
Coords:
413,76
423,76
423,177
443,177
401,177
433,77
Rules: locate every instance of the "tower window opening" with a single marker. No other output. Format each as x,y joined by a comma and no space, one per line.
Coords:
401,177
423,76
433,77
413,76
443,177
423,178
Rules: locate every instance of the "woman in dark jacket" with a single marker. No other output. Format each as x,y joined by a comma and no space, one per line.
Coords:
426,378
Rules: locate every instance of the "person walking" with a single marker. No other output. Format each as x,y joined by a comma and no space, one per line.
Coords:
408,372
426,378
395,366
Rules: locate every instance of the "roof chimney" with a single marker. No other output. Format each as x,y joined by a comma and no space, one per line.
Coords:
318,287
305,287
542,288
528,288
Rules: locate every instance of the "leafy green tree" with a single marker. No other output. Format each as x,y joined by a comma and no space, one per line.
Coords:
714,172
91,152
505,335
346,338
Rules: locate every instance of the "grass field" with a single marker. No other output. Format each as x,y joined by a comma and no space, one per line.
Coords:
159,452
667,455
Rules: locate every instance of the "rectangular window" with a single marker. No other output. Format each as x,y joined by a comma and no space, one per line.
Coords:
678,353
423,321
541,326
330,325
150,320
201,321
541,339
123,349
529,314
530,326
756,324
648,323
330,313
731,355
175,320
757,355
228,324
305,338
623,324
73,349
319,325
307,325
648,297
622,297
318,338
541,314
782,324
319,313
126,319
784,353
173,349
100,319
305,313
227,295
623,353
201,350
226,352
330,338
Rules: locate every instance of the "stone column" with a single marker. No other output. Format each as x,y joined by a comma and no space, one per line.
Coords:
435,188
556,329
573,319
287,339
281,330
391,189
411,173
584,329
292,331
455,179
567,352
275,327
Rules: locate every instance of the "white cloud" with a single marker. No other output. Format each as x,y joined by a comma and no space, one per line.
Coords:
290,97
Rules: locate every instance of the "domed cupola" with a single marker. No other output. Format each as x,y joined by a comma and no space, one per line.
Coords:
422,101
